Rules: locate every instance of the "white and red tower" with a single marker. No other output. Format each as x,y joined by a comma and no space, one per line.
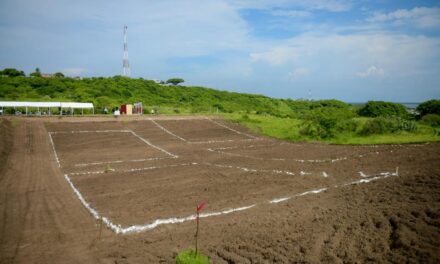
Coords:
125,63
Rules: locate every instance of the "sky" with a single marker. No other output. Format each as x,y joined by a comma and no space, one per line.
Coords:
350,50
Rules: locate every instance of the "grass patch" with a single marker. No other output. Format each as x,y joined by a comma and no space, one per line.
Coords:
277,127
189,257
289,129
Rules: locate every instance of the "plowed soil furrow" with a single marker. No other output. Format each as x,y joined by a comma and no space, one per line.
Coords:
38,208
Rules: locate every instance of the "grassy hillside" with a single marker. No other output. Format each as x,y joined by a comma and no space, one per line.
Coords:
110,92
330,121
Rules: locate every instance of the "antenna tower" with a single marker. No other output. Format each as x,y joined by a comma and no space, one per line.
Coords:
125,64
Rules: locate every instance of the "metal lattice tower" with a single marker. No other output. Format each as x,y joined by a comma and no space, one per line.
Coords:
125,64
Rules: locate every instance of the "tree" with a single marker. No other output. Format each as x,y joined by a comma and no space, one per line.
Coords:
11,72
175,81
59,75
429,107
36,73
385,109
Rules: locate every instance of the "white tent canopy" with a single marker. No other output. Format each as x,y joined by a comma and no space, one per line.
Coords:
61,105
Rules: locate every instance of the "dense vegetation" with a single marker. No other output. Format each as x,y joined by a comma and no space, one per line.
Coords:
384,109
113,91
327,120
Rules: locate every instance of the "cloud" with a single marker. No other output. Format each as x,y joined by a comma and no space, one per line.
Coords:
422,17
88,34
276,56
291,13
335,56
327,5
298,73
371,72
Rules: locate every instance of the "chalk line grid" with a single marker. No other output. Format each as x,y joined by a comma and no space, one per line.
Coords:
118,229
221,150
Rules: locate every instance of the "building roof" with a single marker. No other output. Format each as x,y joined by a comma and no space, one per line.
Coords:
73,105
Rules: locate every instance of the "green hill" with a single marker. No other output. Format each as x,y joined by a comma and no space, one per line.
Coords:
325,120
113,91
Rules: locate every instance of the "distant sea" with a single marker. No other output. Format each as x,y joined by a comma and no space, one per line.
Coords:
407,105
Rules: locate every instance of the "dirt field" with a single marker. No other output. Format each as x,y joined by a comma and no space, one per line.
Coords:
267,201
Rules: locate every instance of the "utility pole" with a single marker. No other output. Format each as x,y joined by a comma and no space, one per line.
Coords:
125,64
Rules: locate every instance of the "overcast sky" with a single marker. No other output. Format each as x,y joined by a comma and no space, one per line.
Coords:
344,49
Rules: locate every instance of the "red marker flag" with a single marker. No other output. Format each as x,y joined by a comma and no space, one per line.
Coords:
200,207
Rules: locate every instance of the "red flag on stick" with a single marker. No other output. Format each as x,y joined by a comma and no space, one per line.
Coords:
200,207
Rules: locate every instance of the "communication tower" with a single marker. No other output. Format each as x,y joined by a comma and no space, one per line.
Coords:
125,63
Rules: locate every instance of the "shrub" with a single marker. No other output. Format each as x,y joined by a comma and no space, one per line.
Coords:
189,257
431,120
429,107
382,125
327,122
376,126
384,109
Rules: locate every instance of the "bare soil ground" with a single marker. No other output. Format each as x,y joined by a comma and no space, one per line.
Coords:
300,202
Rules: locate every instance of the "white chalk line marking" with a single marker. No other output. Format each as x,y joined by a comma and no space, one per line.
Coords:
119,161
118,229
233,130
167,131
244,147
154,146
382,175
188,164
315,191
208,141
91,131
53,147
220,151
278,159
249,169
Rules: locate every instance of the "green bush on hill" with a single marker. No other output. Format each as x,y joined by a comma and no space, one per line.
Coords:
384,109
431,120
327,122
382,125
429,107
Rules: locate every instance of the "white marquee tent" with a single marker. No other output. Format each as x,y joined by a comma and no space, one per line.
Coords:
60,105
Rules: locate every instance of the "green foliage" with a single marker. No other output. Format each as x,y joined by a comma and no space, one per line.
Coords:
431,120
11,72
290,129
429,107
36,73
327,122
175,81
190,257
382,125
385,109
111,92
59,75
